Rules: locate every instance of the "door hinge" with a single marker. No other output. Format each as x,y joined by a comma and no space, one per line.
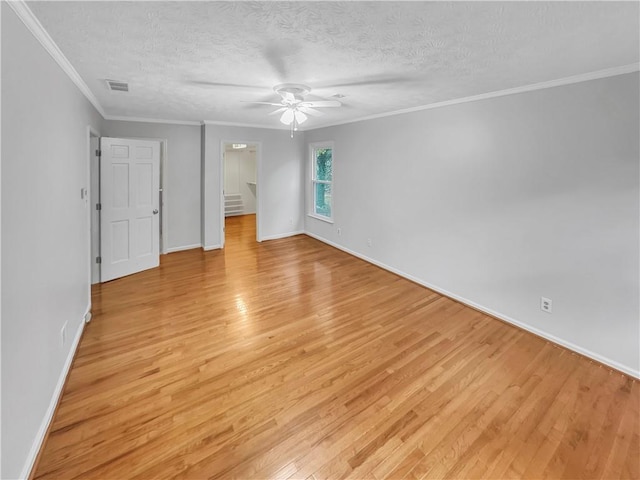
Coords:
98,259
98,153
98,206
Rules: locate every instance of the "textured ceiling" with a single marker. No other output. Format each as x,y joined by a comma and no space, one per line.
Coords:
200,60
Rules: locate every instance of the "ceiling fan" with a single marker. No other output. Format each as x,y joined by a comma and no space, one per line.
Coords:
293,106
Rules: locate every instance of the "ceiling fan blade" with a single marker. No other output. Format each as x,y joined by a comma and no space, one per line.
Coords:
372,80
310,111
278,111
226,85
322,103
287,117
300,117
276,52
265,103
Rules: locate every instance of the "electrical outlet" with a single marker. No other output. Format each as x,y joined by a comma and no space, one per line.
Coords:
546,304
339,230
369,242
63,334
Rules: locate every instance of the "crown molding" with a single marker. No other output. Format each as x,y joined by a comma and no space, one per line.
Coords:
35,27
609,72
122,118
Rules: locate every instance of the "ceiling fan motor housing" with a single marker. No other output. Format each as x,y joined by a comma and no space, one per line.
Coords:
292,92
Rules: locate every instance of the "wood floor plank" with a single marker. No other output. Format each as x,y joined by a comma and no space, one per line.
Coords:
289,359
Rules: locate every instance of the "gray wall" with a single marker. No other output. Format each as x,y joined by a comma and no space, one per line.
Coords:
183,175
280,186
505,200
194,163
45,233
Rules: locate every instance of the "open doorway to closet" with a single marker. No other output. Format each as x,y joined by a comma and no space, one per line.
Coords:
240,191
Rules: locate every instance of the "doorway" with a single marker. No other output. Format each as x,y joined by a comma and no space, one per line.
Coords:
94,200
240,190
136,177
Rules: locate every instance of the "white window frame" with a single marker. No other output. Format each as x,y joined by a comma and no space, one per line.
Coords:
312,153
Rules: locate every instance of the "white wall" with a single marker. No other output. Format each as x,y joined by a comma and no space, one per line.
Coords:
231,173
280,174
502,201
45,235
183,175
239,172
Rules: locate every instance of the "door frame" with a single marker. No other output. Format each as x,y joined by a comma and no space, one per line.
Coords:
164,230
258,145
91,132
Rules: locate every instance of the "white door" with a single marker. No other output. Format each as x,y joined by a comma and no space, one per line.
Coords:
129,194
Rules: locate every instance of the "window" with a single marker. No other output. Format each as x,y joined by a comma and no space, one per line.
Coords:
322,180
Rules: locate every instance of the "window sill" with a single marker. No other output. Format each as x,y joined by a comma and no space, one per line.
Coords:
318,217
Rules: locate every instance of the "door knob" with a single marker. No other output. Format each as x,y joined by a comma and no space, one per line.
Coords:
155,211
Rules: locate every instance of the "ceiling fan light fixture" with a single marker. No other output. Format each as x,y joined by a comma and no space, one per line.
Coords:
300,117
287,117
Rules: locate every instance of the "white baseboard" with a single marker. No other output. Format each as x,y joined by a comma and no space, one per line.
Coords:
282,235
552,338
212,247
184,247
46,421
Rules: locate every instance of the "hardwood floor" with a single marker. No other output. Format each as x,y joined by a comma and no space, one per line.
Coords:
290,359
